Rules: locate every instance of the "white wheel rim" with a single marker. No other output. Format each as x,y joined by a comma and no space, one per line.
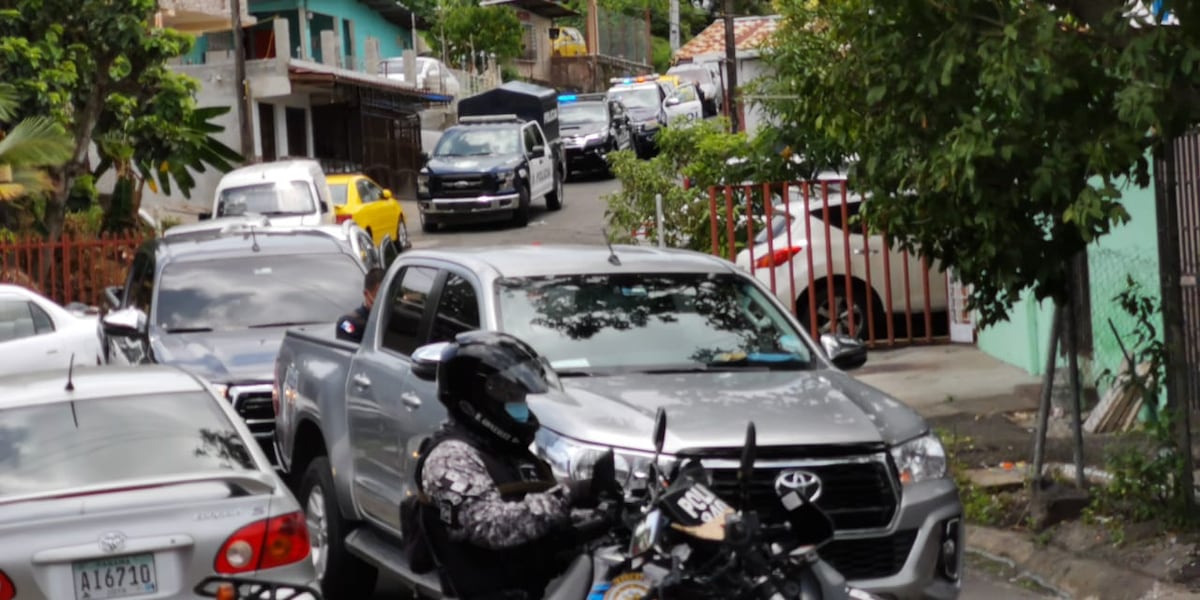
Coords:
318,534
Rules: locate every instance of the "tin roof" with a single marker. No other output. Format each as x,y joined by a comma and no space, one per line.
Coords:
749,33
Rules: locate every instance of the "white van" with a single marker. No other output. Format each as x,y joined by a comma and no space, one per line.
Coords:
290,192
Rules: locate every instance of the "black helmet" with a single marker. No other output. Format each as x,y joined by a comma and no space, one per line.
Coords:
483,378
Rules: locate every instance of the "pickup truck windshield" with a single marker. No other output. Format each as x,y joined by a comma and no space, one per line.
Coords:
274,199
478,141
649,322
64,445
637,97
257,291
583,113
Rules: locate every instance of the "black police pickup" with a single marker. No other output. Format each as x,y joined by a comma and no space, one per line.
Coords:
504,153
643,98
593,126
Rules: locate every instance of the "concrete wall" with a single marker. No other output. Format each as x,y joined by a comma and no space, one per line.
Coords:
1130,250
537,69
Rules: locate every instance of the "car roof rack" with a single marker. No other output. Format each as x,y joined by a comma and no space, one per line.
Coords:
481,119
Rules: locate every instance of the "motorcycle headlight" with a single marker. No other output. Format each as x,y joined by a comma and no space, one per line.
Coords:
572,459
507,180
920,459
422,183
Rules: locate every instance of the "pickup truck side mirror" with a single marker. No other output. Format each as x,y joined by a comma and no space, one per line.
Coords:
127,322
113,294
672,101
387,194
425,360
844,351
424,156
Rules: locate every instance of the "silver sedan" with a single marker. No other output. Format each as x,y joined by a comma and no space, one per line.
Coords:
135,482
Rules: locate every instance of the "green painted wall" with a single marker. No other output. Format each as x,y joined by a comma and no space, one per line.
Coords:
393,39
1129,250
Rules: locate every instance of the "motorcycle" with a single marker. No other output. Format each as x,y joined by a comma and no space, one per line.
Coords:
679,539
224,587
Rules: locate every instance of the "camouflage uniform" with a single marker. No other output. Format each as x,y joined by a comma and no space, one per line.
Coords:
456,479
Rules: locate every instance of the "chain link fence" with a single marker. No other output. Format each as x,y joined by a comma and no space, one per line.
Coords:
1109,271
623,36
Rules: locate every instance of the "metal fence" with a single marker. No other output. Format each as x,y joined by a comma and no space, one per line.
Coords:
71,269
623,36
821,260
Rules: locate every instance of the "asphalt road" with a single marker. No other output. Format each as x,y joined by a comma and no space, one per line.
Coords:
581,220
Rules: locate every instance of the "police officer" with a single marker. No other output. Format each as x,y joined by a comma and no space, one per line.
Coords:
497,520
350,326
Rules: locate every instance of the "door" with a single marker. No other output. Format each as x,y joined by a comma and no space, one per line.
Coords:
382,395
377,215
139,293
541,167
684,104
620,124
27,338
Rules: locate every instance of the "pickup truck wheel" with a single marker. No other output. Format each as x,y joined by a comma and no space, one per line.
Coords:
521,213
343,576
428,225
554,200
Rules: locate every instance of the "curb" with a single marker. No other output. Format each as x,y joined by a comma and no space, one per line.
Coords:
1075,576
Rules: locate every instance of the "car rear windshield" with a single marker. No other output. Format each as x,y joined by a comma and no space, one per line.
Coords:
257,291
646,321
338,191
56,447
274,198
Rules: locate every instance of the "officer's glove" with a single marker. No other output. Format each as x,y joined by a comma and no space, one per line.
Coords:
603,483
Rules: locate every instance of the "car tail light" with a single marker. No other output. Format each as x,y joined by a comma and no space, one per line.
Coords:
780,256
264,544
7,590
342,218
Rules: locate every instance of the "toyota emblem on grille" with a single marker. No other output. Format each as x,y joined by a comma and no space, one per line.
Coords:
806,483
112,541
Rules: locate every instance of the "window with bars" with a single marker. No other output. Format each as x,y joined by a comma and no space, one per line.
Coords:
529,42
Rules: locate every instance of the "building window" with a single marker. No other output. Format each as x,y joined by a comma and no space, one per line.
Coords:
266,130
297,132
529,42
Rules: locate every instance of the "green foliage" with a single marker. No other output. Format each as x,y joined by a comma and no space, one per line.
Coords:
632,208
1143,485
26,147
660,49
99,69
979,506
465,26
992,136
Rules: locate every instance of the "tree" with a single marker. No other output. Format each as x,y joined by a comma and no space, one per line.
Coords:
991,135
92,65
468,27
28,146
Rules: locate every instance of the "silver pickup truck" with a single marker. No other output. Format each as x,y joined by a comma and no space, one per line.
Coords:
628,330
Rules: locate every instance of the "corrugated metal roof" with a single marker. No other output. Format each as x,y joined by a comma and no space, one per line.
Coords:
749,33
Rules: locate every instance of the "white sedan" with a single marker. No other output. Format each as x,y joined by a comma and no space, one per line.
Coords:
37,334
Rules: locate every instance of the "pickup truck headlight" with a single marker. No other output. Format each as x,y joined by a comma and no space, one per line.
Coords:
422,183
920,459
592,138
571,459
507,180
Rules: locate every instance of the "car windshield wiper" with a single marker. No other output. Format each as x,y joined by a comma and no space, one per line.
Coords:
281,324
187,329
574,372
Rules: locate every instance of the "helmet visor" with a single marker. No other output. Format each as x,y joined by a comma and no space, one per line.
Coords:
514,383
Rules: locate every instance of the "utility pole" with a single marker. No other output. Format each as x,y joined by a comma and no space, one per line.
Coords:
674,18
593,28
731,68
239,76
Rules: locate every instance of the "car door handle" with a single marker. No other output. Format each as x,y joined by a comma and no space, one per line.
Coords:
52,351
410,401
360,381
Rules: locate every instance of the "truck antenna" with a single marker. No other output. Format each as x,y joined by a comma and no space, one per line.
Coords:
613,259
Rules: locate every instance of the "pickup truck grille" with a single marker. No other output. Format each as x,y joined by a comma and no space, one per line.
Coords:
462,186
858,493
253,403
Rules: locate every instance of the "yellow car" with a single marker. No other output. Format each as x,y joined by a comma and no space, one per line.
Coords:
569,42
376,210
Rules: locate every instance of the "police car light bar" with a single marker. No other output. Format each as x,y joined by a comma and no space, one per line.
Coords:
638,79
509,118
568,98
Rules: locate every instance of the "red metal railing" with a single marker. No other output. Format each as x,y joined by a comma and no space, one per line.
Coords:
824,263
71,269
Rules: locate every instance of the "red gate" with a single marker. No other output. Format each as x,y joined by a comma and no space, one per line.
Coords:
805,241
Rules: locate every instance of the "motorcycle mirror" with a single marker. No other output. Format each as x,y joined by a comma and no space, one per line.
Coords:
660,430
746,468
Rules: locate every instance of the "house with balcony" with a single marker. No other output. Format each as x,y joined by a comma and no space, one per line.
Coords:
313,86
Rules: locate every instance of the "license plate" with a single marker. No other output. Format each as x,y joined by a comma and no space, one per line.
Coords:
116,577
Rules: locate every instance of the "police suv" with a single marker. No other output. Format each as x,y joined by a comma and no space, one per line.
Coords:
643,97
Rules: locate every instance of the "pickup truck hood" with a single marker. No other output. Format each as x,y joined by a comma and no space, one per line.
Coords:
223,357
710,410
450,165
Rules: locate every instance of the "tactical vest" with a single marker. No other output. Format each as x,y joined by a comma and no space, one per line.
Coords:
470,571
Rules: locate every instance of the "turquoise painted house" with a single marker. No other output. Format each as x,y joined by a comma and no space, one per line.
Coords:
352,20
1130,250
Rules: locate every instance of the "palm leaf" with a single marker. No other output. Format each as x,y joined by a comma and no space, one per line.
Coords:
25,181
8,102
37,141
